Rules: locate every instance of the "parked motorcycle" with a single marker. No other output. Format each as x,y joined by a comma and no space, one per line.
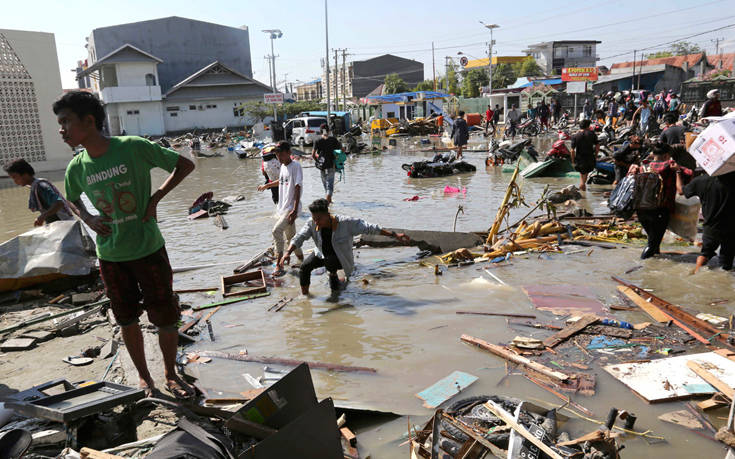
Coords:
529,127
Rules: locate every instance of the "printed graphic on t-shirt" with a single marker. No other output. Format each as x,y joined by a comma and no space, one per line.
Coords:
111,197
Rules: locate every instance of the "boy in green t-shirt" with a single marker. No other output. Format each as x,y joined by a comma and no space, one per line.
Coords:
114,173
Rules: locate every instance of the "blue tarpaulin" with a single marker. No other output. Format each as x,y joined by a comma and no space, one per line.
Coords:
406,96
549,82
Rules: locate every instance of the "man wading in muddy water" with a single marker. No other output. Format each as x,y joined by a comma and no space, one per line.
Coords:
115,174
332,235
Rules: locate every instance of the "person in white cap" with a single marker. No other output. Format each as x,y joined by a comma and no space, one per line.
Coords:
712,107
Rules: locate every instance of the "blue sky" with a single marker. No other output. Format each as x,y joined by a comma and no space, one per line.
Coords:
376,27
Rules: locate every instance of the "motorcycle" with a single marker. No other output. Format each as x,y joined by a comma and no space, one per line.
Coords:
529,127
563,121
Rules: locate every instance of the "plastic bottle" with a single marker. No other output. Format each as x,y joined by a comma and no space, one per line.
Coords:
617,323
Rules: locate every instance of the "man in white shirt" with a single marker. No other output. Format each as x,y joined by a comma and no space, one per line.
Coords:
290,184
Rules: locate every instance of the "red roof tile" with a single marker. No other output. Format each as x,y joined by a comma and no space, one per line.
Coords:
727,61
676,61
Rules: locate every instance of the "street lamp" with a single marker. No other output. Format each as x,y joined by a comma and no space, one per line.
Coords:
490,53
274,34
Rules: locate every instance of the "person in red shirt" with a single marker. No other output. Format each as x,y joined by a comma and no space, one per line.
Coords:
673,176
489,120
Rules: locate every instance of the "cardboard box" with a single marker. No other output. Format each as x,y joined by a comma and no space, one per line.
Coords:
714,148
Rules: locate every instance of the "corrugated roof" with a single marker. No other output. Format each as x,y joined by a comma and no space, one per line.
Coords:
676,61
638,71
727,61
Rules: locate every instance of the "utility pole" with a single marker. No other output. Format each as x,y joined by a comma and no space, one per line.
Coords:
344,80
273,34
490,56
717,41
326,58
433,65
336,81
632,82
640,71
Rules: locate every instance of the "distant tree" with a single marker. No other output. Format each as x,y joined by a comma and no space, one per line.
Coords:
394,84
256,109
529,67
451,82
504,75
659,54
426,85
294,108
681,48
474,79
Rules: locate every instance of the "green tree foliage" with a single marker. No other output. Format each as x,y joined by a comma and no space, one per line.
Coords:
503,75
426,85
450,82
677,49
473,80
529,67
394,84
294,108
256,109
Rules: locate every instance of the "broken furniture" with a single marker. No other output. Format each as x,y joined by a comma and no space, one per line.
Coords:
254,283
289,421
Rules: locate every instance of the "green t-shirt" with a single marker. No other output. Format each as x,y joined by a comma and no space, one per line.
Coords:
118,184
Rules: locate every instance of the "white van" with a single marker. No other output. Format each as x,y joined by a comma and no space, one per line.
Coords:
303,130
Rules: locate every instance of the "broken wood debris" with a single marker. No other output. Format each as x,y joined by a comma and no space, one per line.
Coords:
501,314
508,355
570,330
285,362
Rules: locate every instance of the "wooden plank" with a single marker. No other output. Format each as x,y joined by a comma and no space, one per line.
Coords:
714,402
682,418
187,326
711,379
211,313
349,436
655,313
230,301
18,344
501,314
446,388
508,419
506,354
570,330
474,435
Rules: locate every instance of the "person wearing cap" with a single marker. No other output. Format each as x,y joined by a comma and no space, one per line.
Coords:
290,183
712,107
325,159
333,236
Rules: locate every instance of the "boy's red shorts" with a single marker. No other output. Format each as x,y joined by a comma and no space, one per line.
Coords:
149,279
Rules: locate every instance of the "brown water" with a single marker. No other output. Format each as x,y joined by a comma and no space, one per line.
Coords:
403,321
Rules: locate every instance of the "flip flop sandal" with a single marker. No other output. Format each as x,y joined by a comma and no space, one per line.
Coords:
15,443
78,361
279,273
176,392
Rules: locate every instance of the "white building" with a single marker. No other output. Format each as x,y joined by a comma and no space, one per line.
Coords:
552,56
29,84
128,85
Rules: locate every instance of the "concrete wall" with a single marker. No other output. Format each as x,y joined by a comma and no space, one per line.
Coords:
37,52
184,45
133,73
213,114
147,121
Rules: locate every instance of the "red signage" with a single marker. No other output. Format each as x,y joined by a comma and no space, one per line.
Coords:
579,74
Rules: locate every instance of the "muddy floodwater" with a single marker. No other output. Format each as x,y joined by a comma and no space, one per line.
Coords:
395,315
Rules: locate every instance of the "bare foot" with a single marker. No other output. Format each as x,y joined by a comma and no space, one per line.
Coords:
147,386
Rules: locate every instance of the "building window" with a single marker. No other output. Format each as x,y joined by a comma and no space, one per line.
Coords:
173,114
587,50
150,79
133,112
174,108
211,106
192,107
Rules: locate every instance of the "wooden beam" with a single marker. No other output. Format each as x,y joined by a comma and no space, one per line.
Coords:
569,331
711,379
650,309
89,453
349,436
508,419
508,355
501,314
474,435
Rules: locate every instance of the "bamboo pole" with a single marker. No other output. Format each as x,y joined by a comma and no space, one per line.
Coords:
503,210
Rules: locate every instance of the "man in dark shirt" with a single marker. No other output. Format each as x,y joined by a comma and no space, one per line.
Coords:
673,135
324,159
585,148
712,107
717,195
631,152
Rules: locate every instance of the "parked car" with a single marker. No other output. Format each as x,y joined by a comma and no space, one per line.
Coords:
303,130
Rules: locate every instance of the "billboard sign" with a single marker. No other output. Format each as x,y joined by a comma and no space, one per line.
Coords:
579,74
273,98
576,87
